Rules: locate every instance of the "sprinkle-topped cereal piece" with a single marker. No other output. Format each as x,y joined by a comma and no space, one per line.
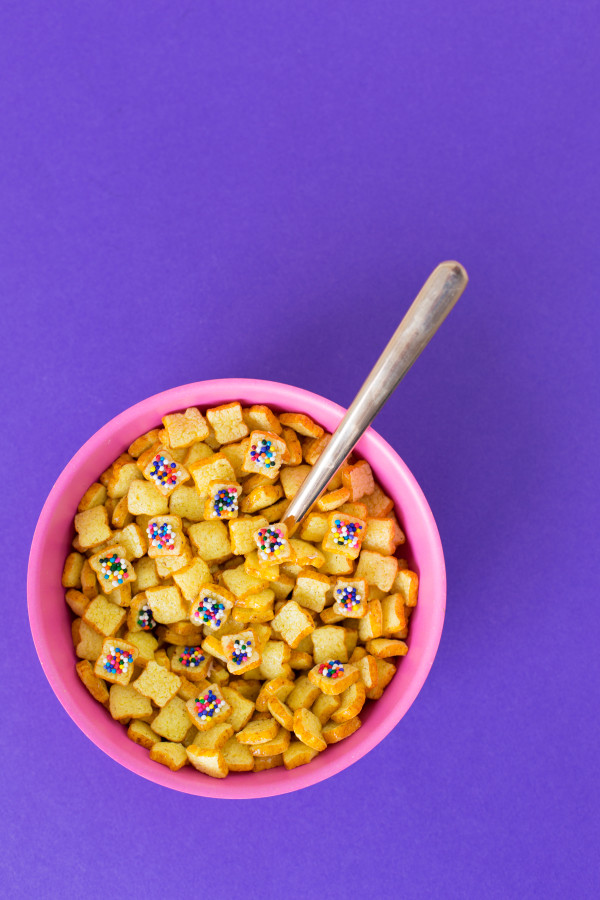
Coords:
212,607
208,708
272,543
111,568
162,470
332,669
165,536
223,500
332,676
344,534
350,597
264,454
115,663
145,619
190,661
241,652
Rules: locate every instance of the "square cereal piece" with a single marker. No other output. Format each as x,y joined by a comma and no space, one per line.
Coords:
238,757
334,732
329,643
76,601
169,754
264,454
367,670
235,453
126,703
115,663
241,533
293,622
165,536
189,662
140,733
350,596
208,708
89,582
291,478
259,731
87,642
191,578
96,686
276,746
382,648
103,617
358,479
71,576
167,565
371,625
301,424
333,676
325,706
272,543
214,739
344,534
92,527
261,600
196,452
209,762
379,570
314,527
393,614
298,754
293,453
261,497
186,502
167,604
311,590
94,496
144,499
214,468
144,442
306,554
184,429
223,500
133,541
307,728
242,708
312,448
261,570
157,683
212,607
378,504
123,472
261,418
172,722
274,662
303,695
332,499
227,422
385,672
210,541
352,701
120,515
406,583
145,643
355,509
241,651
242,584
162,470
380,536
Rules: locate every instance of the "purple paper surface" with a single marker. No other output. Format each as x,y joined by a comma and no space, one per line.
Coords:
194,190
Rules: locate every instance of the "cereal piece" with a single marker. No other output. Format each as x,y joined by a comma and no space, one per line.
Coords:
272,543
241,652
406,583
208,708
238,757
210,762
94,496
332,499
264,454
96,686
378,504
92,527
157,683
189,662
377,569
300,660
329,616
103,616
384,647
71,576
280,687
329,643
336,564
76,601
189,689
325,705
258,732
260,497
241,584
367,670
293,623
306,554
291,478
371,625
169,754
126,703
122,475
307,729
350,638
214,468
186,502
263,600
352,701
191,578
140,733
355,509
311,590
281,713
258,569
212,607
168,565
121,517
172,722
235,453
282,586
267,762
274,747
247,687
301,424
380,536
165,536
184,429
144,498
344,534
227,422
144,442
241,533
167,604
303,695
242,708
298,754
393,615
210,541
358,479
350,597
314,527
261,418
385,673
293,454
274,662
161,469
222,500
334,732
333,677
87,642
213,739
145,643
115,663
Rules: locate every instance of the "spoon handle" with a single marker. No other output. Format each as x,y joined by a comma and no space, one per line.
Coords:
431,306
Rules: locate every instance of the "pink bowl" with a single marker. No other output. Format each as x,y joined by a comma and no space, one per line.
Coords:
50,617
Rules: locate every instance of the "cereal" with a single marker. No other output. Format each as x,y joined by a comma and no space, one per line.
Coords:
217,638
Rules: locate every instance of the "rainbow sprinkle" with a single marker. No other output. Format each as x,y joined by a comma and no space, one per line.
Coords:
242,650
164,471
210,611
117,661
331,669
348,598
346,534
262,454
225,501
271,541
191,657
208,705
113,569
162,535
145,619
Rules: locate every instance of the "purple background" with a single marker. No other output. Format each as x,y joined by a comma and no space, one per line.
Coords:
194,190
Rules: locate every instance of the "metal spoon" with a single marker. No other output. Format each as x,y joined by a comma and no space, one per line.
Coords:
431,306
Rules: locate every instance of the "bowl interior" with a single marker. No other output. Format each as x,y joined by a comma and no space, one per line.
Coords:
50,618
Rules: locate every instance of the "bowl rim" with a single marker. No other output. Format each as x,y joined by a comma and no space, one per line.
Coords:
242,785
